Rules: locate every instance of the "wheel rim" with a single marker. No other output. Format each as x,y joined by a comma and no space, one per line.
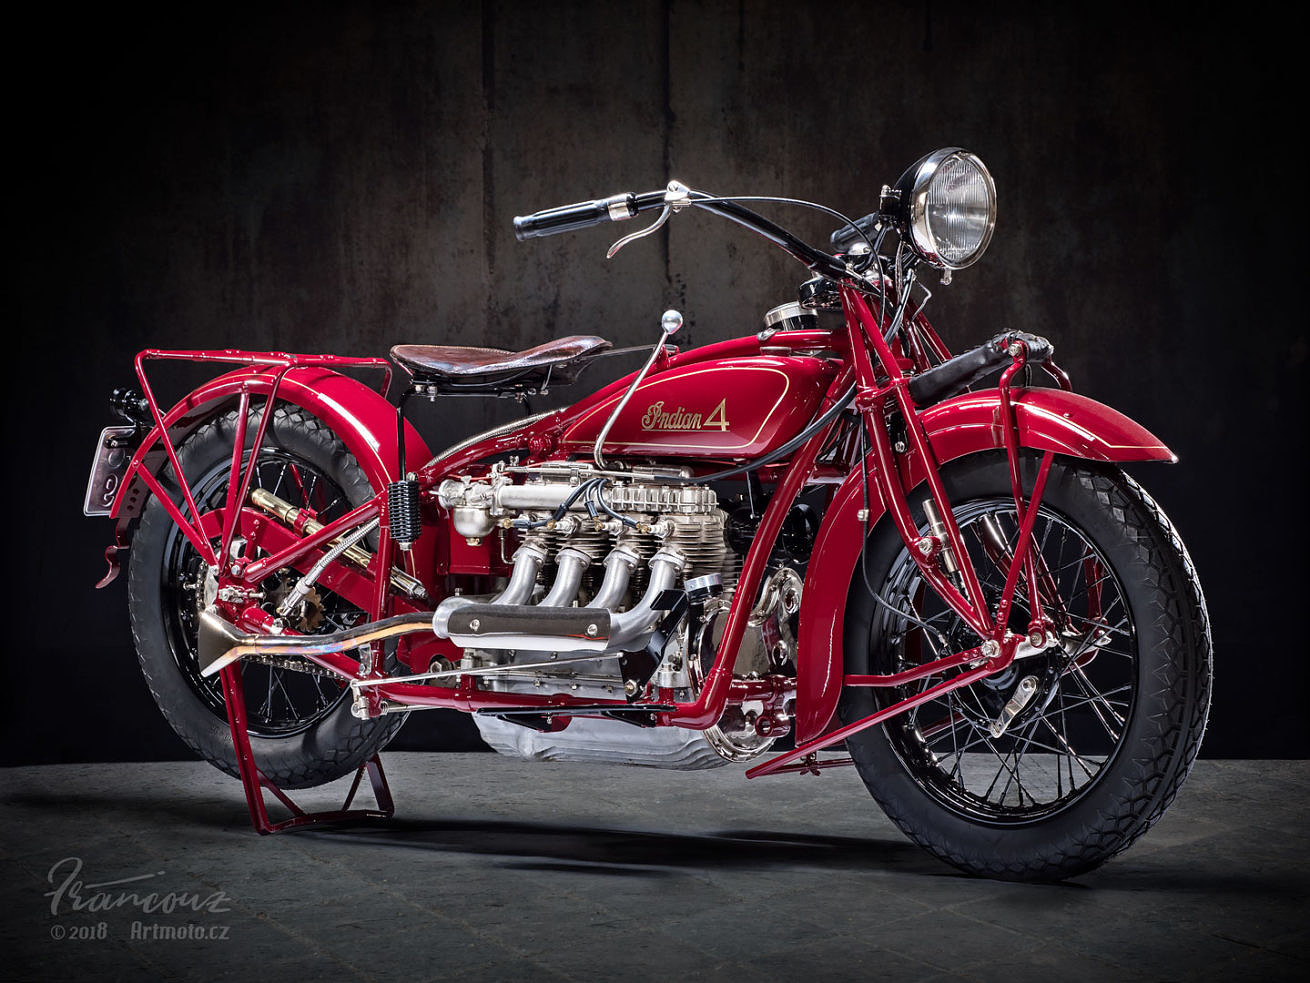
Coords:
280,702
1063,741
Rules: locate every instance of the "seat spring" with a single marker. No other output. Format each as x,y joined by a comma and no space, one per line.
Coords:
403,511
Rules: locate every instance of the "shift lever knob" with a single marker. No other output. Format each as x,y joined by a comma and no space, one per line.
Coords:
671,322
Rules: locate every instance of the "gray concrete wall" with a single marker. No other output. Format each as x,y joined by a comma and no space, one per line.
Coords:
343,179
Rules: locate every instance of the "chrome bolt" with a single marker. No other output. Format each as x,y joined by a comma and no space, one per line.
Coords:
475,624
630,687
862,515
591,631
991,649
925,545
1015,349
1037,638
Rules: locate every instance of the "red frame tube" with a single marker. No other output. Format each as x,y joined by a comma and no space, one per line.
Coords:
357,516
840,734
706,710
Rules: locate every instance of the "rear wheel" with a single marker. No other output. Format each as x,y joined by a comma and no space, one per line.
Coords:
301,730
1112,716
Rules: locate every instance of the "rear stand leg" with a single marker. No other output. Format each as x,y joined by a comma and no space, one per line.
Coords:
255,781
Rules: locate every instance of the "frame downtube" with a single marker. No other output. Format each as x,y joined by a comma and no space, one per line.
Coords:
709,706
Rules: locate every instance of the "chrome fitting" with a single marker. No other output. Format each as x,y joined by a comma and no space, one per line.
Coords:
1023,694
939,533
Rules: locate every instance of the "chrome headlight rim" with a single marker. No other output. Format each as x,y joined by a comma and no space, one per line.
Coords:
913,193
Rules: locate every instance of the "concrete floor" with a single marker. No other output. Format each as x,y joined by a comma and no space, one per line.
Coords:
497,869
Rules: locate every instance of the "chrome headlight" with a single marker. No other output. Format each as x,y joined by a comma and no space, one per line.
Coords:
947,208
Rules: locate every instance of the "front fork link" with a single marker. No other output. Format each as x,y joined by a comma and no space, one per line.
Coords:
1026,567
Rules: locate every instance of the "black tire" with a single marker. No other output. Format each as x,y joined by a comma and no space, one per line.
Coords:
1127,704
308,737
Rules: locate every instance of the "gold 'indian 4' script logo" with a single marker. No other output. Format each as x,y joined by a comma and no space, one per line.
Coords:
658,418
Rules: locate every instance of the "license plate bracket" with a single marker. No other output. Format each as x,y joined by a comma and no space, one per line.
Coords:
108,468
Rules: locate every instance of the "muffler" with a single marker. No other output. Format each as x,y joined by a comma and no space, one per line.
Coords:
219,643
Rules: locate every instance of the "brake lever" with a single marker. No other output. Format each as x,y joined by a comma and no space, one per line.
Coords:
676,197
640,233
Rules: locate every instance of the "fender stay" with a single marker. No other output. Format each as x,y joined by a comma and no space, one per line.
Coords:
364,420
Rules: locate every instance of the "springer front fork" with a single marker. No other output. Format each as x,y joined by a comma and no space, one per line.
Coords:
940,553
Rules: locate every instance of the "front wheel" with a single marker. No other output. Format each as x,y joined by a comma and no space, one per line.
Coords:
1112,715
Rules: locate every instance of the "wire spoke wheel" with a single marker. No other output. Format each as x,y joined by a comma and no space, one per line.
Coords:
280,700
1061,760
1073,724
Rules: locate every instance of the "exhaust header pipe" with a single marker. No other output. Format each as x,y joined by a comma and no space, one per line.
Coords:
505,625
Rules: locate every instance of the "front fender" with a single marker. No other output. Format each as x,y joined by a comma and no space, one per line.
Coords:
364,420
1048,420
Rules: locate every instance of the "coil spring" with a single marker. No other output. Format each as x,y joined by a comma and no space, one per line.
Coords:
403,512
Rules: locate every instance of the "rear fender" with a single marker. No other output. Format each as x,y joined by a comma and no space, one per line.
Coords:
1048,420
364,420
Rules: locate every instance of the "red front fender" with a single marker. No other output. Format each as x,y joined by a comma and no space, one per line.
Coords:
1048,420
364,420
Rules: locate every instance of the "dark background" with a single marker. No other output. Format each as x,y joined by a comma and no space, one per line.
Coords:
342,178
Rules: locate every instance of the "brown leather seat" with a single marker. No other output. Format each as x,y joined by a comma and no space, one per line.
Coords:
492,368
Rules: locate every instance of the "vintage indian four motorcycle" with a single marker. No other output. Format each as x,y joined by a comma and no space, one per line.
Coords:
825,531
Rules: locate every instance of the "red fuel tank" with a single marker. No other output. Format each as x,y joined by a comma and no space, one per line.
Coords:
723,408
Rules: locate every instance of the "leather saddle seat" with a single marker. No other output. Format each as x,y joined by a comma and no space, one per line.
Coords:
453,368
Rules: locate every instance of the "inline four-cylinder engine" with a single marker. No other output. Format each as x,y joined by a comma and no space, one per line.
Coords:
617,582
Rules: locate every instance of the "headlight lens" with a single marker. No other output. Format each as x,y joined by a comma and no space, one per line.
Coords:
949,207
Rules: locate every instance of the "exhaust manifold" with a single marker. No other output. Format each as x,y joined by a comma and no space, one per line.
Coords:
506,622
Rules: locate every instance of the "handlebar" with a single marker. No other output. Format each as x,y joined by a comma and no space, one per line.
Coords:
617,208
584,214
849,235
956,374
